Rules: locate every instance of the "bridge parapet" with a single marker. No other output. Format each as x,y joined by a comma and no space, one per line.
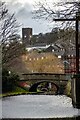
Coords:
45,76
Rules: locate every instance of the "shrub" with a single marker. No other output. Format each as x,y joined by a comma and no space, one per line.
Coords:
8,81
68,88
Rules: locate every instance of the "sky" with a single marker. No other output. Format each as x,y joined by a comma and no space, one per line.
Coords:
23,11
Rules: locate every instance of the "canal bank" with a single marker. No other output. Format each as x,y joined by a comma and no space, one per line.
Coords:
74,118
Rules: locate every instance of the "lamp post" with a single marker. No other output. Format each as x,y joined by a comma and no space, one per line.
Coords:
76,80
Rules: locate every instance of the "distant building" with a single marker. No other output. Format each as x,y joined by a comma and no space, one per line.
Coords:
70,61
50,48
26,36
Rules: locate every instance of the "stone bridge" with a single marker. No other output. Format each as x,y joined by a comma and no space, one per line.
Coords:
58,80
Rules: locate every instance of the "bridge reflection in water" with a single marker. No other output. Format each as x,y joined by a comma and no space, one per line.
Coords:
59,81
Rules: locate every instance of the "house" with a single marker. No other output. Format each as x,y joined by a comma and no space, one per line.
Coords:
50,48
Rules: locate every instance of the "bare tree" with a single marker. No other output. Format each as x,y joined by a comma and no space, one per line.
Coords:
8,24
9,27
56,10
61,10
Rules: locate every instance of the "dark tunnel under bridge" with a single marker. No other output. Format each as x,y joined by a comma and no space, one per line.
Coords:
34,87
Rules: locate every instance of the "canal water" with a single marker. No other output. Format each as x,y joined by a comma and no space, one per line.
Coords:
39,106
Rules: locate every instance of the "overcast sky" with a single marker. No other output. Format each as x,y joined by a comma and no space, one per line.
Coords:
23,9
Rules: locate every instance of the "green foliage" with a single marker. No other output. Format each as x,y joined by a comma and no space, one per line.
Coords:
19,89
8,81
68,88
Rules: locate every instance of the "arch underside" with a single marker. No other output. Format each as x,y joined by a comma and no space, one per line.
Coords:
34,87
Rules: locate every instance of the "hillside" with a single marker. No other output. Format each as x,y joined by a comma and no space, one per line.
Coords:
37,62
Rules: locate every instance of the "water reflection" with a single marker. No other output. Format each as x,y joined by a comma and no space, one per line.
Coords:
48,107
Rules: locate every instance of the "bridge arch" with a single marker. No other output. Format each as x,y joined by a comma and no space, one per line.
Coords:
34,87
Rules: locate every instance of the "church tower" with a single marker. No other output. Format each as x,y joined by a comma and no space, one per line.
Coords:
26,36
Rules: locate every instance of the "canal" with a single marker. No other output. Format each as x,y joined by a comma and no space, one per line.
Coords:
52,107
